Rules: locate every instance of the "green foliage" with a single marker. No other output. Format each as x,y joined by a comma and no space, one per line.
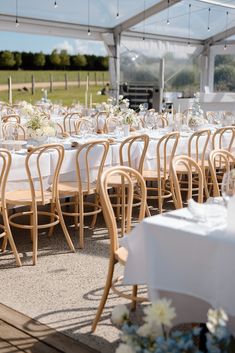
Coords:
54,58
79,61
184,78
224,60
18,60
105,63
64,58
7,59
39,60
224,78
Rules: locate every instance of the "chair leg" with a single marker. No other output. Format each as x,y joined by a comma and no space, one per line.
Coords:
81,222
63,225
134,294
94,218
105,294
51,229
10,237
34,233
4,244
76,210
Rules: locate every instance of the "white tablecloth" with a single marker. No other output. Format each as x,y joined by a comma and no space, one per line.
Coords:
175,255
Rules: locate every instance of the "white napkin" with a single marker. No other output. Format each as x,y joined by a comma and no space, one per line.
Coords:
213,214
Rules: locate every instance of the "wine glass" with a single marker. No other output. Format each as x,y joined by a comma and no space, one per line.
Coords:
228,185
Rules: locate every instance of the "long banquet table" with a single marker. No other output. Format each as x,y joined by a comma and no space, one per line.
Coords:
191,263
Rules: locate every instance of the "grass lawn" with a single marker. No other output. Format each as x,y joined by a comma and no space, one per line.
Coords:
67,97
22,76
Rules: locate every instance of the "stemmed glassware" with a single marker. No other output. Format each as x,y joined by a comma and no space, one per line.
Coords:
228,185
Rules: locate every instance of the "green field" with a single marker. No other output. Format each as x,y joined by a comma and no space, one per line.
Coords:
67,97
22,76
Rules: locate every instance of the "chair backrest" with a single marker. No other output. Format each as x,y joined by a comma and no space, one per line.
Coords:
127,153
69,122
90,161
13,129
5,165
59,129
166,148
161,121
223,138
83,124
219,160
34,164
130,179
12,118
111,124
197,145
191,168
101,118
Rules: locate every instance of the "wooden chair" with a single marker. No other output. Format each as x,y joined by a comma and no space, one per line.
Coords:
59,129
81,125
69,122
111,124
13,127
165,151
86,184
39,195
161,121
5,158
11,118
119,254
101,118
220,161
223,138
191,167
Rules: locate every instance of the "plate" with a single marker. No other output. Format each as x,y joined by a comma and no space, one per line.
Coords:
14,142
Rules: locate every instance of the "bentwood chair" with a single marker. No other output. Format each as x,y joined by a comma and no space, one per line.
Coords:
223,138
191,167
14,128
5,165
111,124
161,121
82,125
39,193
117,253
220,161
69,122
89,164
11,118
101,118
165,151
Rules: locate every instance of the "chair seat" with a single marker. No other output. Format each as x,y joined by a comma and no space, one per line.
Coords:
116,180
23,197
153,175
71,188
121,255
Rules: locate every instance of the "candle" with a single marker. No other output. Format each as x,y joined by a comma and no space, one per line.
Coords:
86,99
1,137
87,83
91,100
179,109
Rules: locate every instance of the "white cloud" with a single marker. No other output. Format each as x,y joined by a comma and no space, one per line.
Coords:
81,46
65,45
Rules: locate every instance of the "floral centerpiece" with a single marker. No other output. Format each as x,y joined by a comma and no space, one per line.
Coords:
155,336
39,128
196,116
27,109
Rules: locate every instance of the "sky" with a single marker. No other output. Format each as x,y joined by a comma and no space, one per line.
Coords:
35,43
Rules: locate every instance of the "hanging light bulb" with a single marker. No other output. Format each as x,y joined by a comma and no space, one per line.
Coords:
88,15
55,4
225,46
189,24
208,24
226,31
89,32
17,22
168,12
117,15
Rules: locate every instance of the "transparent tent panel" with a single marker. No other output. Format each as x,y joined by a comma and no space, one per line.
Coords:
103,13
200,20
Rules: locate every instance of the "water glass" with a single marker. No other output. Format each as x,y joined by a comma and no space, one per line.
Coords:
228,185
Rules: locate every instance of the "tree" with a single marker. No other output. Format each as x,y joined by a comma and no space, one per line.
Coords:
224,59
105,62
39,60
64,58
184,78
224,78
18,60
79,61
7,59
55,58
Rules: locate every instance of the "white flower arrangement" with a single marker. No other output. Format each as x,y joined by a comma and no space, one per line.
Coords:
27,109
38,127
196,117
153,337
129,117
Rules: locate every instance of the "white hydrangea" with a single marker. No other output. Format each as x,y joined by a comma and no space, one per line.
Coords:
216,318
124,348
119,314
160,313
149,329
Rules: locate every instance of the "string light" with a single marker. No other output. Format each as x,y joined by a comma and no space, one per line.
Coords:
168,12
55,4
17,22
88,12
118,4
208,24
226,31
189,23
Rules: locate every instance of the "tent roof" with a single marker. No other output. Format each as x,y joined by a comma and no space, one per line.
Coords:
188,19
